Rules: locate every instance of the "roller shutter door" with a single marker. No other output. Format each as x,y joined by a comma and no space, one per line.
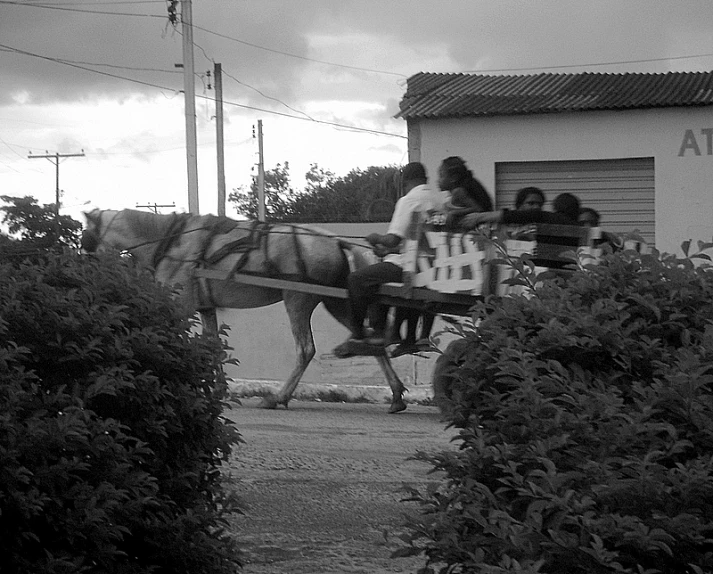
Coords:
621,190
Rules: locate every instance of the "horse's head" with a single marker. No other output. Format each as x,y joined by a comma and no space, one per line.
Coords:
103,230
91,236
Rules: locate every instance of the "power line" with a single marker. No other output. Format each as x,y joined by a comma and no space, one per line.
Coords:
107,3
235,104
54,158
279,101
644,61
72,65
114,66
63,6
64,9
257,46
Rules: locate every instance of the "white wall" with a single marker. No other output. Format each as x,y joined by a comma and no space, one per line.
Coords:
679,139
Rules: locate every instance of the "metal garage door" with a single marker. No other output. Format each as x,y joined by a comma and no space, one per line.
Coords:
621,190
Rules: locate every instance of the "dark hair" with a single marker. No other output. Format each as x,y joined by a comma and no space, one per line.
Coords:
459,173
523,193
413,171
593,212
568,205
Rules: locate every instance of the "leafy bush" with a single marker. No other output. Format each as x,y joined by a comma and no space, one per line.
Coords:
111,434
586,428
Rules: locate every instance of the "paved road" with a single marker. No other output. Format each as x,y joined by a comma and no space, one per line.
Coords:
322,482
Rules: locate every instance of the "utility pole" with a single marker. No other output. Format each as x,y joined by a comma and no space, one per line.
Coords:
260,175
154,206
218,73
189,92
54,158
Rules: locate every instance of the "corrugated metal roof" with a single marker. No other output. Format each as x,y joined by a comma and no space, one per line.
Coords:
430,95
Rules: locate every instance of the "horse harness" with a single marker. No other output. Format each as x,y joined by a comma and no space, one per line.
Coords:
256,239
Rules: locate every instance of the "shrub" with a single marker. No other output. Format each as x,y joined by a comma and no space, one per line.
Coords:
111,434
586,429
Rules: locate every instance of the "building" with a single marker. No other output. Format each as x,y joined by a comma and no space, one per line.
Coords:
636,147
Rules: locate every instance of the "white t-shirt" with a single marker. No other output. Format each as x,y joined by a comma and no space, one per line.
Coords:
420,198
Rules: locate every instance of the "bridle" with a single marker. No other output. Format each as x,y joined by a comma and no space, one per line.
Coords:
93,236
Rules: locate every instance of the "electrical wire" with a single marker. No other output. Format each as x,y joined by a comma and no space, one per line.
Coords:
63,6
257,46
534,68
235,104
64,9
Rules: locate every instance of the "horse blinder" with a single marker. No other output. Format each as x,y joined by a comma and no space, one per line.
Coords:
90,241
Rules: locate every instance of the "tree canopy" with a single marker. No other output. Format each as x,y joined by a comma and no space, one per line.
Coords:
363,195
33,226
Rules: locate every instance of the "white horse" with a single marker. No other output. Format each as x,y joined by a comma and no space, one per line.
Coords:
176,245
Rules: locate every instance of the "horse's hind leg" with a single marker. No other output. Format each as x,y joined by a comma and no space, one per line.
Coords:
397,387
299,310
338,309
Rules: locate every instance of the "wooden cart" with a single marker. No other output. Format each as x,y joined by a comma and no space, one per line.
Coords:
447,272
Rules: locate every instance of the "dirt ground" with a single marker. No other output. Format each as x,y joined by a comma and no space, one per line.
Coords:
322,482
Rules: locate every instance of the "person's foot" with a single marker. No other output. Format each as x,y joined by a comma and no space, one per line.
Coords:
371,346
342,351
372,341
424,345
405,348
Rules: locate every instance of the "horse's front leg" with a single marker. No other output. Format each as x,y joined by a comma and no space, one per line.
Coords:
209,321
299,310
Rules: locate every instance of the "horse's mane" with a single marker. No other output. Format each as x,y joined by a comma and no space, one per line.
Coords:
151,224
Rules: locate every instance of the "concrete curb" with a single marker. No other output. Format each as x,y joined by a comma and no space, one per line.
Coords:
330,392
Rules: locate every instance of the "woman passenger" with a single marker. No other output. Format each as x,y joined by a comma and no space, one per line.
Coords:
467,194
529,198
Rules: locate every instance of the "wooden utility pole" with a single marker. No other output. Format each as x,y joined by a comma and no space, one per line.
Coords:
260,175
218,73
155,206
54,158
189,92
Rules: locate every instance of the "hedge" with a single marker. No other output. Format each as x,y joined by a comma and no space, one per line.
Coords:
111,433
585,417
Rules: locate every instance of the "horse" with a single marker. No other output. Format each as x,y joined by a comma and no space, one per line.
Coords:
176,245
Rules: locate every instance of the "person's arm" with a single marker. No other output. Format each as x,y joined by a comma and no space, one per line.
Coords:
521,217
459,205
472,220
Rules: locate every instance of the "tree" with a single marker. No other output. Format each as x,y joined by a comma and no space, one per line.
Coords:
37,226
362,195
279,195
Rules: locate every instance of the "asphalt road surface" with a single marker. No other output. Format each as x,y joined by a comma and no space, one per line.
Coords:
322,482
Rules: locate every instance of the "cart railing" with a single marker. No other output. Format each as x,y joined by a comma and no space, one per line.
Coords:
448,271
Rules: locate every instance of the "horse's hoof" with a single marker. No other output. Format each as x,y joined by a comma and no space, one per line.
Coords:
397,406
268,402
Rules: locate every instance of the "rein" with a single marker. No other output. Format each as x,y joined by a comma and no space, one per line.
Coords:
175,229
339,238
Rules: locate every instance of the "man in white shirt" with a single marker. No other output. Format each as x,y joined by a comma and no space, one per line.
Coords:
363,284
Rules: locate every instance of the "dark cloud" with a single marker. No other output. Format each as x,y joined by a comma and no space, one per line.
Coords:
266,44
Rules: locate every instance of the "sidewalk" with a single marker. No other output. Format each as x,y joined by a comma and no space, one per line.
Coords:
354,379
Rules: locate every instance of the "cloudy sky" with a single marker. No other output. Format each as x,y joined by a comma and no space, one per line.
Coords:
99,77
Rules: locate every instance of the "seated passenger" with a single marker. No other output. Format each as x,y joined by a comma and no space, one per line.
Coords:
363,284
589,217
529,198
467,194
